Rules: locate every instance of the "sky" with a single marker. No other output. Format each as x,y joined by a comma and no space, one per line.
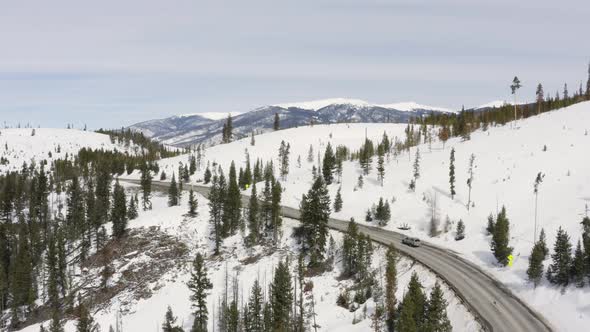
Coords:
112,63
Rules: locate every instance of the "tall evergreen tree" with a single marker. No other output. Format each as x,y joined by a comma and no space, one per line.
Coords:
146,186
578,269
470,177
132,208
543,244
284,152
207,175
535,269
514,88
338,201
253,213
193,204
198,285
315,211
119,211
169,324
540,98
452,173
281,298
85,321
173,192
217,196
436,319
416,166
559,270
382,212
276,123
233,204
501,237
380,164
390,287
329,164
255,322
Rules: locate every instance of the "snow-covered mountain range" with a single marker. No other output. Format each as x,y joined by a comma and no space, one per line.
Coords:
206,127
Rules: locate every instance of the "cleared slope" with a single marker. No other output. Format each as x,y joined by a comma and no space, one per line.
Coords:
18,145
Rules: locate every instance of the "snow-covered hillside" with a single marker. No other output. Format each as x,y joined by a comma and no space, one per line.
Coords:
507,161
139,312
20,145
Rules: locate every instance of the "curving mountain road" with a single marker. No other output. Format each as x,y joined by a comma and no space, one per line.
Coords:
493,305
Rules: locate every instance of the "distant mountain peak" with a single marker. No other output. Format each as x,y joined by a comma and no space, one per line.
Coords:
315,105
211,115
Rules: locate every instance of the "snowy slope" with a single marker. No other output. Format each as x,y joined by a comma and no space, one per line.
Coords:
171,290
506,164
18,145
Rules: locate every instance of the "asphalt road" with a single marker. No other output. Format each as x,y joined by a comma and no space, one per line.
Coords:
493,305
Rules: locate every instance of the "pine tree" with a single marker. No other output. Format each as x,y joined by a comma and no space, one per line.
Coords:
349,249
390,286
491,224
315,211
328,165
207,175
281,298
193,204
535,269
452,173
543,244
413,307
586,242
284,151
578,269
227,132
232,205
75,205
275,208
382,212
198,285
380,165
173,192
85,321
146,186
276,124
540,98
253,225
192,164
514,87
416,166
216,199
170,321
338,201
436,319
119,212
310,154
501,237
470,174
132,208
460,231
559,270
255,322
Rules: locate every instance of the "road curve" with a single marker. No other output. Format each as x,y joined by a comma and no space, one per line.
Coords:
493,305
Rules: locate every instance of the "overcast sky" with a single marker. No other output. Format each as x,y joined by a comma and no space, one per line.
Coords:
111,63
